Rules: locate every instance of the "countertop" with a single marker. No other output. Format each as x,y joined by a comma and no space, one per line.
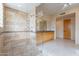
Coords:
44,31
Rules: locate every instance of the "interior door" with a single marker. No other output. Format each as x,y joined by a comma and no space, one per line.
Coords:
67,29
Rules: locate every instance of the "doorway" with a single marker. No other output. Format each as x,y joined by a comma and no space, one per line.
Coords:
65,27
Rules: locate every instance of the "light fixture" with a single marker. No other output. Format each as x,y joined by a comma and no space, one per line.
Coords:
70,3
67,5
19,5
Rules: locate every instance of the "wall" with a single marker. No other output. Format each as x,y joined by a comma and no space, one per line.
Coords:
42,16
59,28
51,24
73,28
1,28
1,15
18,28
77,27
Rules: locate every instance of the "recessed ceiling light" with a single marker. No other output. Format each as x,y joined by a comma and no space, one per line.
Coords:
19,5
65,5
70,3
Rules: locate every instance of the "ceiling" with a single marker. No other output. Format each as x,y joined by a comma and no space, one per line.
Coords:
47,8
25,7
54,8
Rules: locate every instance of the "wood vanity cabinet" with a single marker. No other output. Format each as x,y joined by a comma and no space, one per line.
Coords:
44,36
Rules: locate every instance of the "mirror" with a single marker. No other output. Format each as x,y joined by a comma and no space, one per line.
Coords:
41,25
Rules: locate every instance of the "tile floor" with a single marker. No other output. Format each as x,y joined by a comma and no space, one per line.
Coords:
59,48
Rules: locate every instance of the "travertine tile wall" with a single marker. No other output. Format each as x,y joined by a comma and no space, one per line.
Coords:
1,29
18,38
1,44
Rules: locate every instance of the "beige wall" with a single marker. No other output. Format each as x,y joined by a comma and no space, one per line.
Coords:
73,28
59,28
77,27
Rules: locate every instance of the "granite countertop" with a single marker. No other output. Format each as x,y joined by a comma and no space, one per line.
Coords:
44,31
